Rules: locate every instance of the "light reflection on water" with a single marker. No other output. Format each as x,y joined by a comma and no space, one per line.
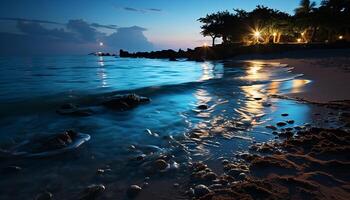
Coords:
236,94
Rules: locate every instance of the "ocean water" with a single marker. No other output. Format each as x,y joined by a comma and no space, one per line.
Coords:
170,126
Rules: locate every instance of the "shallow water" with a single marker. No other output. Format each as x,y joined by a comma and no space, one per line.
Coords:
32,88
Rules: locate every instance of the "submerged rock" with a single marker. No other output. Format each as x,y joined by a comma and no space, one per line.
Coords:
44,196
125,102
203,107
284,114
161,164
92,191
281,124
290,121
49,145
134,190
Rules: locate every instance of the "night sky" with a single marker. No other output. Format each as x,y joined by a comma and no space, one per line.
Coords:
76,27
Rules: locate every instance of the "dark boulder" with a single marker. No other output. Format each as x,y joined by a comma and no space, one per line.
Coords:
125,102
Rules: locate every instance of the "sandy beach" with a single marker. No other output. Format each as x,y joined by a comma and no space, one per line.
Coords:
311,163
328,70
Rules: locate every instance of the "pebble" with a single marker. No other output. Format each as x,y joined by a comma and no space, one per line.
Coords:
289,129
92,191
225,162
161,164
141,157
190,192
258,98
284,114
203,107
201,190
210,176
44,196
281,124
234,172
134,190
242,176
290,121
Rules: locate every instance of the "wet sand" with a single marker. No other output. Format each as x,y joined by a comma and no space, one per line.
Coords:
329,71
309,162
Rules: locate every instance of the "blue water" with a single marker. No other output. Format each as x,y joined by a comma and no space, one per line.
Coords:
32,88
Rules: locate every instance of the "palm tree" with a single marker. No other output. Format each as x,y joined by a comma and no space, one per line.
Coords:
305,18
305,7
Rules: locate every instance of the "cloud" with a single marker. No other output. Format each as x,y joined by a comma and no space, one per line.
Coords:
96,25
133,9
75,37
140,10
29,20
84,31
129,38
36,29
155,9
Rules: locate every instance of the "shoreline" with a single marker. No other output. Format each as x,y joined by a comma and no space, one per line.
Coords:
328,70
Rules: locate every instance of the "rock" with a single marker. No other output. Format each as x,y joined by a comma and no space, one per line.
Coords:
289,129
281,124
134,190
190,192
203,107
271,127
275,132
44,196
125,102
242,176
225,162
290,121
100,171
201,190
234,172
92,191
209,176
286,134
284,114
161,164
258,98
141,157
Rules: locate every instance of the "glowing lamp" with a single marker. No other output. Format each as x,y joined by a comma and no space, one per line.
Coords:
340,37
257,34
299,40
274,34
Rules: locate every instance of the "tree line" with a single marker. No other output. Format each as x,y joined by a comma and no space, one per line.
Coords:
328,22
